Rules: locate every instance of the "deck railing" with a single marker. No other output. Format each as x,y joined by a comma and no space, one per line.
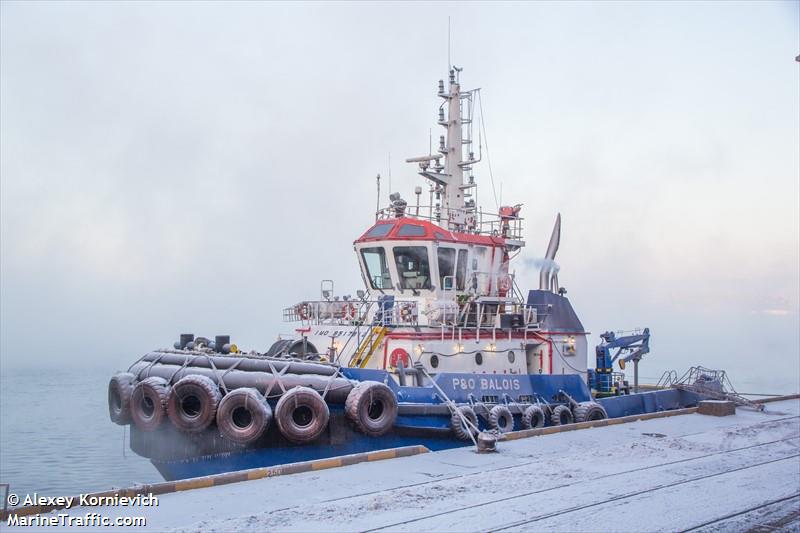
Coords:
486,223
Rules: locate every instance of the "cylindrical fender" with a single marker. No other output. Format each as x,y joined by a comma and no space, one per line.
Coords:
120,389
265,382
243,415
148,401
302,415
372,406
192,404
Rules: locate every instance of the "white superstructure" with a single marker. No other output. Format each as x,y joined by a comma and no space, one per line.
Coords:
439,291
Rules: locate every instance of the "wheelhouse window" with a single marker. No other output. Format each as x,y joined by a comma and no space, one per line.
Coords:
411,230
377,268
381,230
461,270
413,267
447,266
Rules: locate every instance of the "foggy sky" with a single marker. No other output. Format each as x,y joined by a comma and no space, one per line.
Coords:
169,168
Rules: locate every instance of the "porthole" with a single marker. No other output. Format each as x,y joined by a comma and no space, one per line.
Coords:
511,356
434,361
479,358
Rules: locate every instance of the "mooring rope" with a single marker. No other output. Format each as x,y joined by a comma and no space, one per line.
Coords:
220,381
276,378
454,408
182,367
148,367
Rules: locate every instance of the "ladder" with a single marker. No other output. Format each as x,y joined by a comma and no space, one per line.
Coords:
368,346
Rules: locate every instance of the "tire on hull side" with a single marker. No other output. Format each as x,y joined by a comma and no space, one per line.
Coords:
561,415
120,390
588,411
302,415
193,402
464,431
372,407
148,403
533,417
501,419
243,415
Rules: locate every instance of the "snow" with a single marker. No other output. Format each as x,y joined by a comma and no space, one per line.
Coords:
671,473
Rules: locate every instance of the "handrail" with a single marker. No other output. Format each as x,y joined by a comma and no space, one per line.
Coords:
440,215
357,327
667,378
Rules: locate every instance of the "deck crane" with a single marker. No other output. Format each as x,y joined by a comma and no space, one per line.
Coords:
628,348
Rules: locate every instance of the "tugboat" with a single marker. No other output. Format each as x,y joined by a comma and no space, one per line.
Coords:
440,344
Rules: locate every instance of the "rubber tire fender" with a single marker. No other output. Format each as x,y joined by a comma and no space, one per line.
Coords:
463,432
561,415
300,349
207,394
501,419
120,389
293,400
254,404
149,394
533,417
279,347
364,400
587,411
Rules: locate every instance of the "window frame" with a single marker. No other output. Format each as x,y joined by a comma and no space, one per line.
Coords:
462,260
379,231
453,259
385,273
428,285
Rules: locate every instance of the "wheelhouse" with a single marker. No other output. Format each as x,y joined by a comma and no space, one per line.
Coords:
415,257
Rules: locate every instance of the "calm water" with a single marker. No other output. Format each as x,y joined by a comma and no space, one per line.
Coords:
56,437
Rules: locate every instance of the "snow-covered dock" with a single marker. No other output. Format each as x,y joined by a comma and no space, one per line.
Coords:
678,473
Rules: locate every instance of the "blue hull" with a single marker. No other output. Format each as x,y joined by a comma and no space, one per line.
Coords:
423,420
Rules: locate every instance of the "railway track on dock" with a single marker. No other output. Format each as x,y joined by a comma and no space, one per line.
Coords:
555,492
616,498
529,463
759,526
438,497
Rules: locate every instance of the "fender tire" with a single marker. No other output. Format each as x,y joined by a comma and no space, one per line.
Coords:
501,419
120,389
148,402
533,417
588,411
457,425
300,349
302,415
372,407
243,415
279,347
561,415
192,404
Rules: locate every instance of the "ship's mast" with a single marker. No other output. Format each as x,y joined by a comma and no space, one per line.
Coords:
453,181
453,197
